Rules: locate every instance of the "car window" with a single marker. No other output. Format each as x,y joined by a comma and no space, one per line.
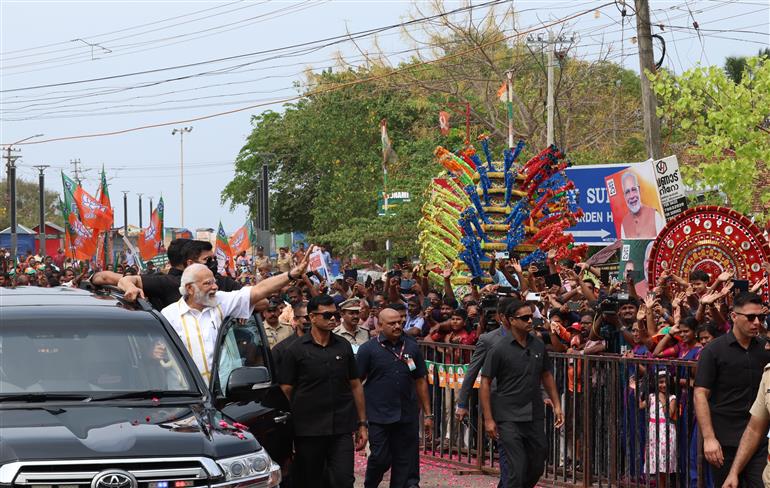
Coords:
70,356
243,346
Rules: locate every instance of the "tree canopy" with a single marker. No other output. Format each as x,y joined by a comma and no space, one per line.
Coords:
28,205
324,151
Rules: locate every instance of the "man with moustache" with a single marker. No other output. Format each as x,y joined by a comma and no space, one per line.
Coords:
641,221
199,314
394,372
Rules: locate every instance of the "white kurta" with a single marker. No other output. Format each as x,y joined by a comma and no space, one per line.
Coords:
199,329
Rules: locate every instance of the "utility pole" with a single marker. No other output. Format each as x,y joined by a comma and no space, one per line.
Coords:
76,171
125,213
181,132
41,231
551,102
646,63
11,181
550,45
140,209
150,207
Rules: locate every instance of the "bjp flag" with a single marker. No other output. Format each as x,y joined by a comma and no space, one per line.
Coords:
93,213
81,239
223,252
151,237
242,239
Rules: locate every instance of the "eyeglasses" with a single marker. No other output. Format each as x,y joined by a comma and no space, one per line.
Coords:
751,317
328,315
524,318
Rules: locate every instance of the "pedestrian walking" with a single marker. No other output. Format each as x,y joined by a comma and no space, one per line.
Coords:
729,372
515,415
394,370
320,378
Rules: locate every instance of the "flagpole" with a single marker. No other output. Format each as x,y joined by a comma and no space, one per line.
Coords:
383,129
509,90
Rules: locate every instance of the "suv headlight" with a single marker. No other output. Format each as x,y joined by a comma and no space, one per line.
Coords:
250,465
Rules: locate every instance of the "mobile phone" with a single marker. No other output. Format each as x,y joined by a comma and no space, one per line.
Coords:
604,276
532,297
573,306
552,280
501,255
425,303
504,290
542,271
740,286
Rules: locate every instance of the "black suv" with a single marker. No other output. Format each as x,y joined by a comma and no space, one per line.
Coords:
96,392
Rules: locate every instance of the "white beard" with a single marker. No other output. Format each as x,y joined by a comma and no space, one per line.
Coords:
203,298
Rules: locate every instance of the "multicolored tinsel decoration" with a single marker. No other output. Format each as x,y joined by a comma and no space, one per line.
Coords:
475,210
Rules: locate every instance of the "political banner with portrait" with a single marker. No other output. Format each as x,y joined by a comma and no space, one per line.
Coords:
637,211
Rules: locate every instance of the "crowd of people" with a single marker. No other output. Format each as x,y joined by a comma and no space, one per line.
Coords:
373,327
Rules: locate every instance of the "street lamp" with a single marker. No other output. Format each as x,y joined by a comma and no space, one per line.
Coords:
11,175
181,132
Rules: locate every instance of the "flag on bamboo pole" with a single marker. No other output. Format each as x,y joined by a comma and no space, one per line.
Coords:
223,252
242,239
502,92
103,196
151,237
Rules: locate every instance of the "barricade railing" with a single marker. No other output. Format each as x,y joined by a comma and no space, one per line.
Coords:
616,432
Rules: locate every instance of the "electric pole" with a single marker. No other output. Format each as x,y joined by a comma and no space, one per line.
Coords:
11,181
125,213
76,171
646,63
181,132
140,209
41,231
550,46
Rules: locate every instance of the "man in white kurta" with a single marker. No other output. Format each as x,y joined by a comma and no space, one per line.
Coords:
199,314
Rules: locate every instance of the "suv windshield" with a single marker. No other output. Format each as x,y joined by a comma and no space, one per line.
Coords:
88,357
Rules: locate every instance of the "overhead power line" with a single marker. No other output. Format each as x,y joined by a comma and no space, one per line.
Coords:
338,38
335,87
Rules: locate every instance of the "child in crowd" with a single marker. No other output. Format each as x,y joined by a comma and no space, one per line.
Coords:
662,408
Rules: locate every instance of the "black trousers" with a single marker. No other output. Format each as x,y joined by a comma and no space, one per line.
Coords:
394,447
525,448
323,461
751,477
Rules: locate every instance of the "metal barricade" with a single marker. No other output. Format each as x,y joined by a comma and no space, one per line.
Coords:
618,431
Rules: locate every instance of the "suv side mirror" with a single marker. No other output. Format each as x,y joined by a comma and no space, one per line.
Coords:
248,383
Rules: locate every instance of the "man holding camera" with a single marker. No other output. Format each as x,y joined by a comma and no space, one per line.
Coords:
618,314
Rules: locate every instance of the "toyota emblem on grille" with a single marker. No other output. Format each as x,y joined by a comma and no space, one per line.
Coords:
114,479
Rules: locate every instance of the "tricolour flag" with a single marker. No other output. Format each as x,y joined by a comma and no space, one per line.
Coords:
388,154
502,92
151,237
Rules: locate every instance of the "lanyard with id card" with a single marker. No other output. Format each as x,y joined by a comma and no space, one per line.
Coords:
405,358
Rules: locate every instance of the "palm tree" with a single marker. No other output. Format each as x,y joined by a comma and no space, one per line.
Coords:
736,65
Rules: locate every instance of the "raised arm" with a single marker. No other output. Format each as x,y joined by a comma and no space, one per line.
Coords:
266,287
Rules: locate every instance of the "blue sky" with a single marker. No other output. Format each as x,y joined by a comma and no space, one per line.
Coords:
58,42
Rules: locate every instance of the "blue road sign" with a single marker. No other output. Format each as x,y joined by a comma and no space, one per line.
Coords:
596,228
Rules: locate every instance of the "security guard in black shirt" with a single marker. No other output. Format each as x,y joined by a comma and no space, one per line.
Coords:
320,378
514,415
394,370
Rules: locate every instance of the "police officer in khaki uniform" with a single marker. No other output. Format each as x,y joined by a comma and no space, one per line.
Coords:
350,328
756,431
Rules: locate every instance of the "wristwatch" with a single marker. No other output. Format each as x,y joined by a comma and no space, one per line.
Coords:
429,416
363,423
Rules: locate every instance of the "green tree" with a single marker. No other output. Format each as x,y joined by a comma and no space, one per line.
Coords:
28,204
726,126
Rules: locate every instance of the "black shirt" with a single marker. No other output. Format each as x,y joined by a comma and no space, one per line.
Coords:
279,350
732,374
322,401
163,289
518,371
390,391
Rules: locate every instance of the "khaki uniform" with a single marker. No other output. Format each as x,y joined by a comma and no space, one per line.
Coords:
277,334
761,409
357,338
